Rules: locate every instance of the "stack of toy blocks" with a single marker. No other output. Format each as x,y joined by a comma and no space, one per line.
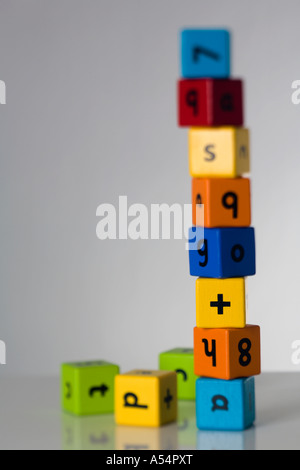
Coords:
222,243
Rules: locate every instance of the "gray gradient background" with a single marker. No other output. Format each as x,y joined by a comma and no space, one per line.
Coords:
91,115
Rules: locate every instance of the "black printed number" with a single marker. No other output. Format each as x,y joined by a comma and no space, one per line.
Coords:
244,348
203,252
211,353
230,201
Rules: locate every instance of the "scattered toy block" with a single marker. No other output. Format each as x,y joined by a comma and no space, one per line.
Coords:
87,388
146,398
181,361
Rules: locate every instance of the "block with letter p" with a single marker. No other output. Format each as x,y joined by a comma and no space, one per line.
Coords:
146,398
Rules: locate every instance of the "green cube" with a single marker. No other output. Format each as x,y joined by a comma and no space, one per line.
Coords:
181,360
87,388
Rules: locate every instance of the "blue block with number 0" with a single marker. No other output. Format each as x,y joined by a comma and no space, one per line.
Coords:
227,405
205,53
222,252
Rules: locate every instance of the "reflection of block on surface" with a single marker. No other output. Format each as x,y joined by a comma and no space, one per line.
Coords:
181,361
221,440
187,429
88,433
87,388
225,404
146,398
146,438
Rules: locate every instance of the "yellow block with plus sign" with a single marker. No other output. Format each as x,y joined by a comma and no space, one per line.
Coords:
146,398
221,303
219,151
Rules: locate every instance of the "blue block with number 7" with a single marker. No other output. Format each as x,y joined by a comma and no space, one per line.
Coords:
222,252
227,405
205,53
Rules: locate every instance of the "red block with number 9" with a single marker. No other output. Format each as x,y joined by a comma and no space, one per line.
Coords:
227,353
210,102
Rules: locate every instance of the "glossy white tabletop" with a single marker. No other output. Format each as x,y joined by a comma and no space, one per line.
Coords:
31,418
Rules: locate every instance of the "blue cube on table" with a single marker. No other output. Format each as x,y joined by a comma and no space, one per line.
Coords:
222,252
225,405
205,53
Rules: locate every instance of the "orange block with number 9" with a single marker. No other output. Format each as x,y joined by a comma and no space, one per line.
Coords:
227,353
221,202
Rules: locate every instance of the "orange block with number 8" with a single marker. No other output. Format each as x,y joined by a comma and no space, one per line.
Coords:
221,202
227,353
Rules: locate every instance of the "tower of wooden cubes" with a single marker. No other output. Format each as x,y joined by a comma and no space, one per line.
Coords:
222,243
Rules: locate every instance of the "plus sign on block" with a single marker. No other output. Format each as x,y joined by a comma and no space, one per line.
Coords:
221,303
146,398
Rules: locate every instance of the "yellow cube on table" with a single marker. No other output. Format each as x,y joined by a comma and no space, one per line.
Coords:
221,303
146,398
219,151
